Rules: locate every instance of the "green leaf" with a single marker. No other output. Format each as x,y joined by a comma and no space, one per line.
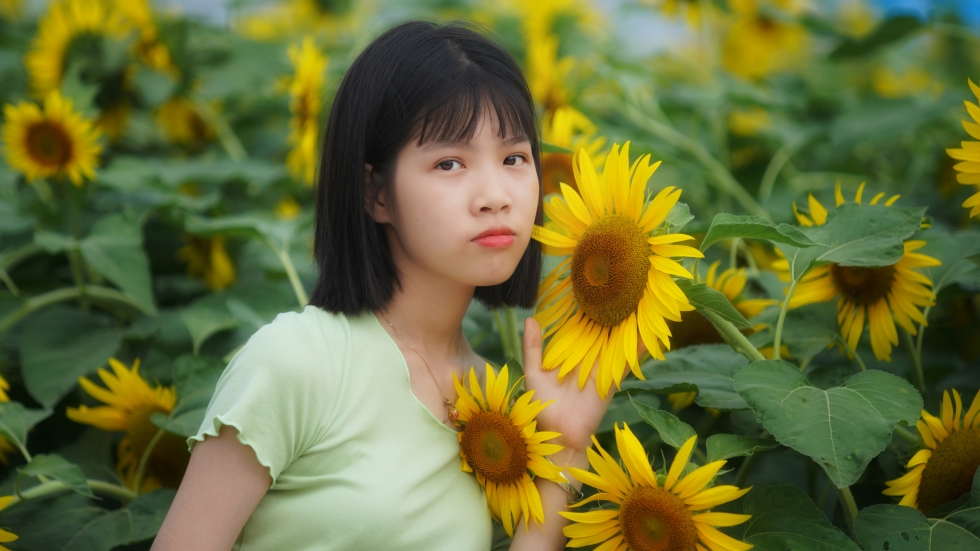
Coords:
707,369
703,297
807,331
843,428
154,86
114,248
194,378
275,233
956,251
206,317
672,430
16,421
49,522
678,217
621,410
552,148
727,446
59,345
58,468
856,235
727,226
890,30
53,242
784,518
139,521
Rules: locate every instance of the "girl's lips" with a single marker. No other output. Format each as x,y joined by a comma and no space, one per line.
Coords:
495,241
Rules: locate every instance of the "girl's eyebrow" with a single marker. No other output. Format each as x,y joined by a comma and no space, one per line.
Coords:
465,144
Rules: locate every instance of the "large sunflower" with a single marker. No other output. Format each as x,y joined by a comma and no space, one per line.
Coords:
55,141
130,404
969,154
5,536
68,27
883,295
499,443
306,90
567,128
943,470
663,513
618,278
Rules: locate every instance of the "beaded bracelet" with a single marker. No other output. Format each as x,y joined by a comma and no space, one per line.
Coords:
574,494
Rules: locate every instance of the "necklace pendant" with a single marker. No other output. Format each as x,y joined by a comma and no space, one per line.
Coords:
454,415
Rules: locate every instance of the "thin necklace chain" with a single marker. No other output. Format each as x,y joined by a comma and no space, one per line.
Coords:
450,409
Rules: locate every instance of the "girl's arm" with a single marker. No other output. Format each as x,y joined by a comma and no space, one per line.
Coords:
223,484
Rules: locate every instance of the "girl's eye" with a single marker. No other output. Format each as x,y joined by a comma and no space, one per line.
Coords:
448,165
515,160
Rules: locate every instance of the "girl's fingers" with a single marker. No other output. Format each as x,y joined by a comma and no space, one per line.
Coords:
532,346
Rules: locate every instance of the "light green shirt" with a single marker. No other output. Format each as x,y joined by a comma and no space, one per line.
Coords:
357,461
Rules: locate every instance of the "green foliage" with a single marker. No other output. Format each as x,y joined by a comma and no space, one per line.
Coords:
707,369
55,467
783,517
727,446
728,226
703,297
672,430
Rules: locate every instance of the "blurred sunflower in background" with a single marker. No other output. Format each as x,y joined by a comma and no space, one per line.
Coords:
883,295
651,511
943,470
149,46
286,18
130,402
55,141
11,9
568,128
180,121
5,536
969,154
306,92
618,278
207,258
689,10
6,447
763,37
499,443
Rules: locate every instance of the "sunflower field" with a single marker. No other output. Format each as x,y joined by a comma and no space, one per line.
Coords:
776,198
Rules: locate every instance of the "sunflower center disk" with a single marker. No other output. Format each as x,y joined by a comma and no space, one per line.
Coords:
609,269
949,472
494,447
863,286
653,519
48,144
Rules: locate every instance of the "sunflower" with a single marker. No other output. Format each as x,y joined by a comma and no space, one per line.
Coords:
749,122
287,208
306,90
328,18
907,83
757,43
619,277
546,74
149,47
6,447
499,443
567,128
5,536
69,26
11,9
55,141
130,404
883,295
652,511
690,10
181,122
969,154
943,470
207,258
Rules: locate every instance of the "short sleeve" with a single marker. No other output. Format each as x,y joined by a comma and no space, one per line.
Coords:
276,391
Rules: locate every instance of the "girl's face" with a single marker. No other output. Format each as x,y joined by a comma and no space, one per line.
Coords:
464,210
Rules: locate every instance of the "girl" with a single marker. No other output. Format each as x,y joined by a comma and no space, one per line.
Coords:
330,429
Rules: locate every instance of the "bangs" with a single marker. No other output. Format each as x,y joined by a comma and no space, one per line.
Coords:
454,115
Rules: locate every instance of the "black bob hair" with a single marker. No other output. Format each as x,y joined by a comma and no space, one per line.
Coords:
418,81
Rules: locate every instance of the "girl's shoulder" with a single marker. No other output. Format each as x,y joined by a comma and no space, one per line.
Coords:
295,341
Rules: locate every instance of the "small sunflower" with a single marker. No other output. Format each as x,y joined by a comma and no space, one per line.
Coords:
306,90
567,128
67,27
883,295
969,154
5,536
665,513
287,208
130,404
758,43
618,278
499,443
181,122
55,141
207,258
943,470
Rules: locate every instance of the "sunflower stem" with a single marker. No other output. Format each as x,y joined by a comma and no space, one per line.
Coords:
857,357
294,279
33,304
141,470
920,380
53,487
74,258
744,469
516,344
849,506
221,127
733,336
505,335
775,166
733,254
778,339
907,435
922,331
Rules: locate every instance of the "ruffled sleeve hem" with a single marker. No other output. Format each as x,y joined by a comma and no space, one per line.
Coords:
218,422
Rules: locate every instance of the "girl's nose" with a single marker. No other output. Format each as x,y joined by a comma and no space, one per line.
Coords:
491,193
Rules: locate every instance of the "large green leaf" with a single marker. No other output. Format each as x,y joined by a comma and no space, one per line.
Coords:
16,421
727,226
856,235
954,251
807,331
621,410
843,428
784,518
727,446
707,369
194,378
114,248
49,522
899,528
888,31
58,468
703,297
59,345
206,317
672,430
134,174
